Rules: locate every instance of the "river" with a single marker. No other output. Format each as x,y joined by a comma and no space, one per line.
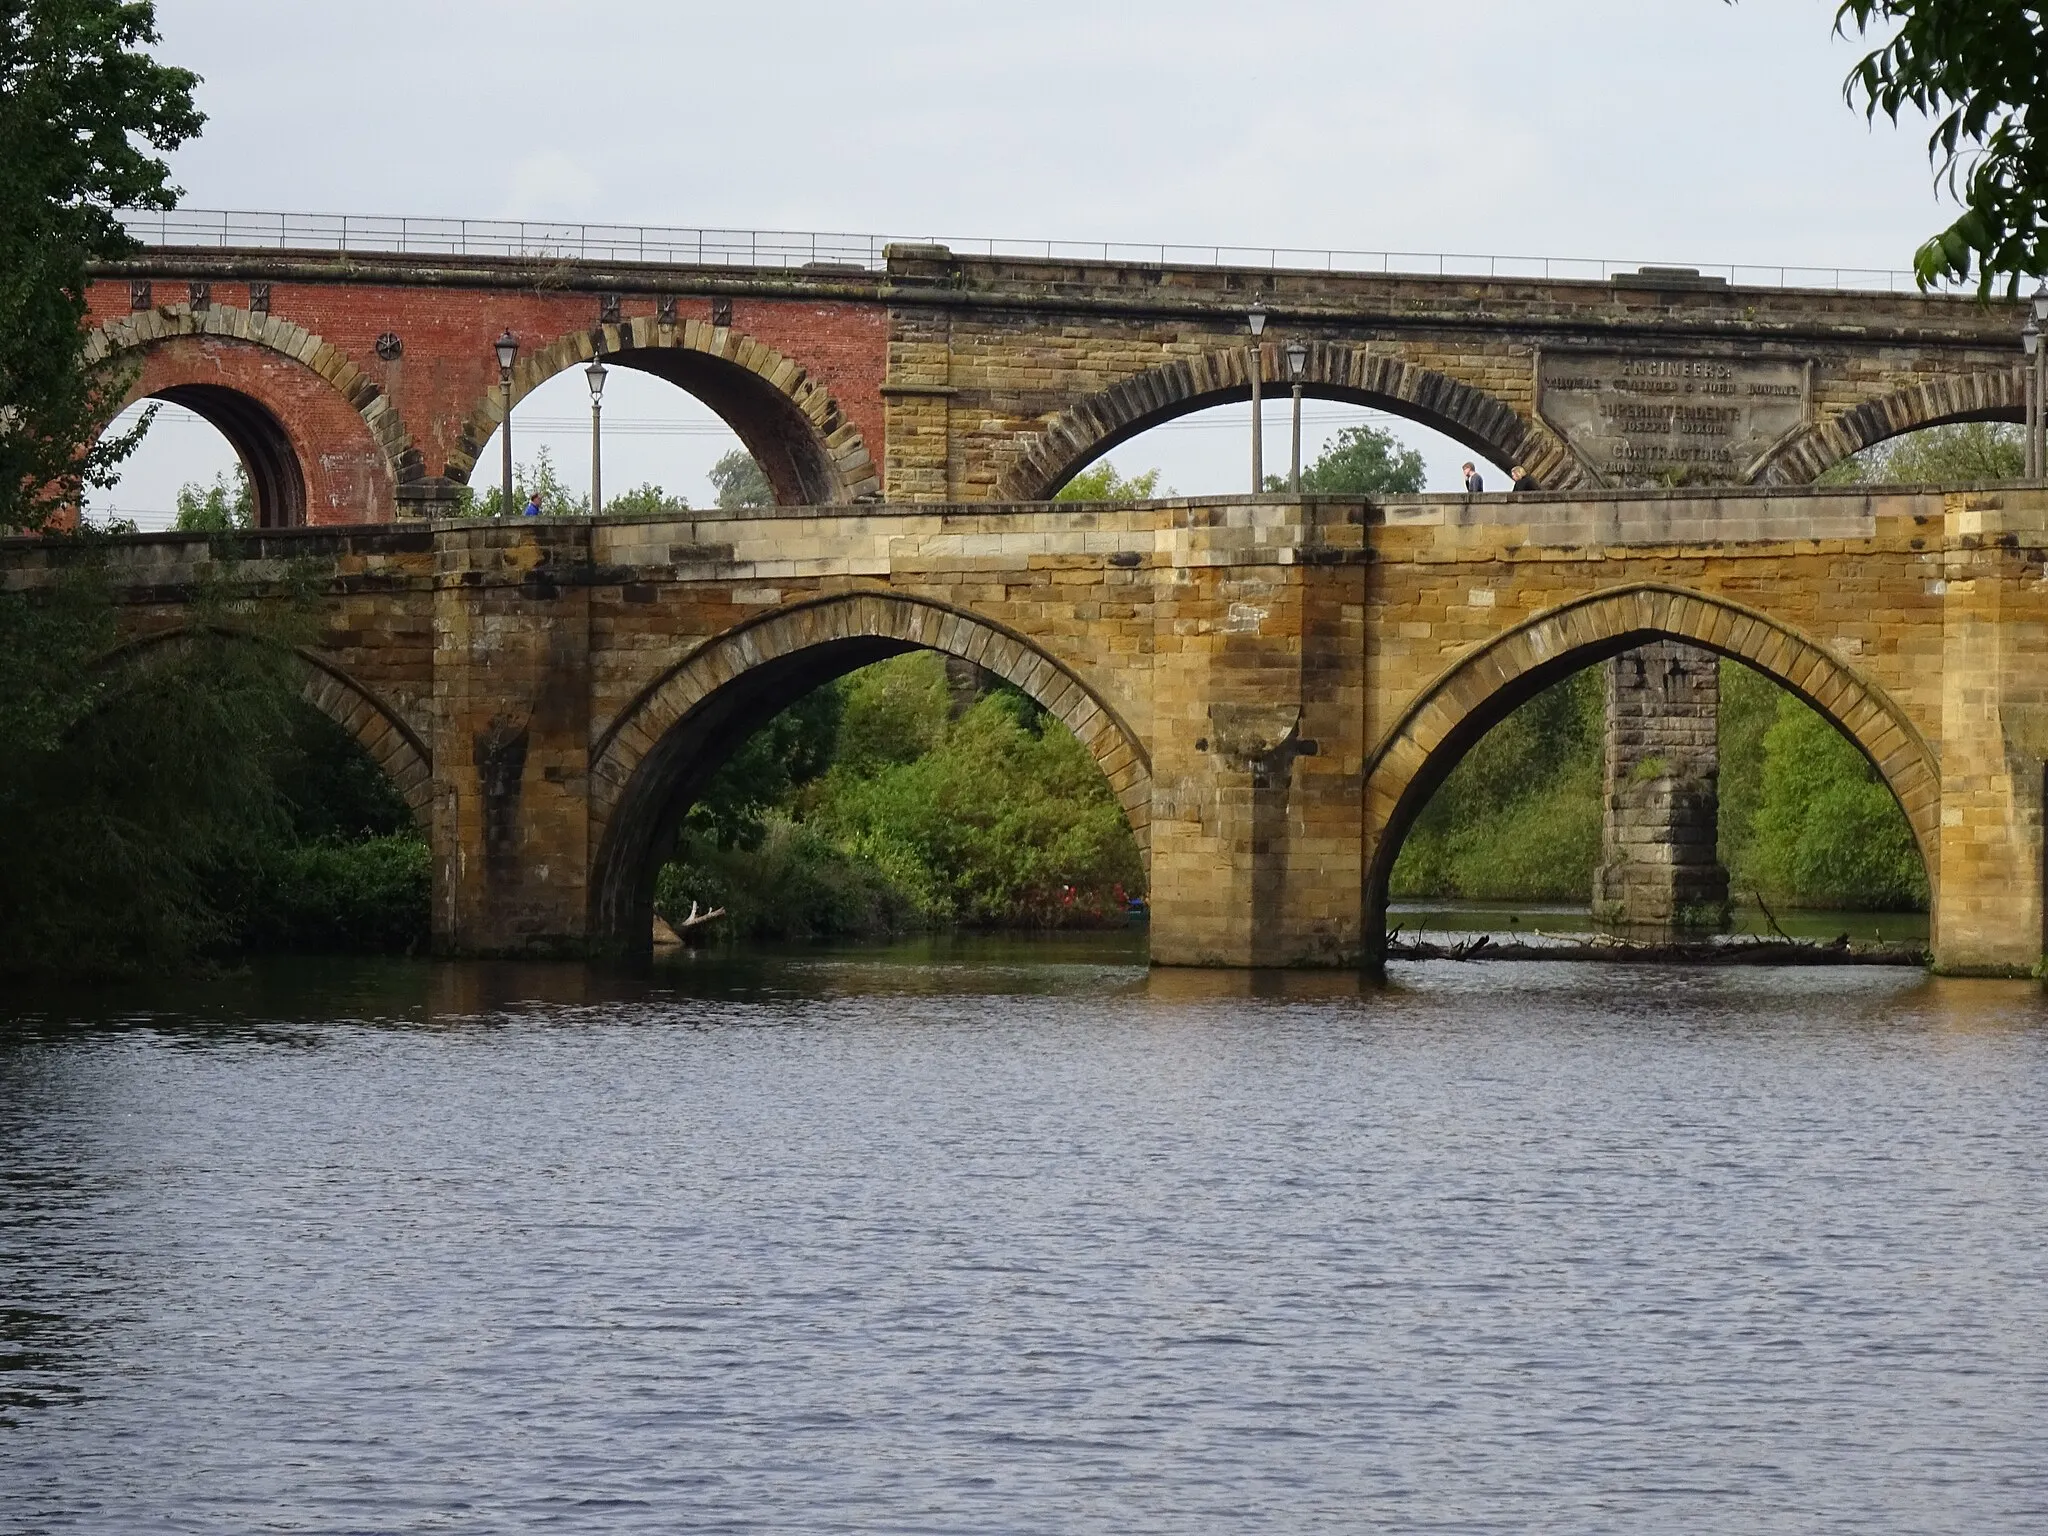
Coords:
1001,1236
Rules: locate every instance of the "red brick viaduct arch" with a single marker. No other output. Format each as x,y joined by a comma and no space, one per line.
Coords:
1449,716
320,440
810,450
650,762
1089,428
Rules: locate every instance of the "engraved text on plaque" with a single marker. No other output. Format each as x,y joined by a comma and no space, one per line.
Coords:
1644,420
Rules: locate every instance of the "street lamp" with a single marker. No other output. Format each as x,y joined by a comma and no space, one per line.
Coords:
508,351
1257,321
1297,365
2030,343
595,373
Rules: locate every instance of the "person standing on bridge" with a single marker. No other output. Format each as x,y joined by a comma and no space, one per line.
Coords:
1473,484
1523,480
532,507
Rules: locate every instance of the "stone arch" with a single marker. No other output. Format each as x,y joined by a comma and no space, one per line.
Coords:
1479,690
269,447
810,450
649,762
1992,395
1335,371
379,728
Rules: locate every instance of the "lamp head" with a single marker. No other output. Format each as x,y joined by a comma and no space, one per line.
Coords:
2030,338
1257,319
508,349
2041,304
1297,360
595,373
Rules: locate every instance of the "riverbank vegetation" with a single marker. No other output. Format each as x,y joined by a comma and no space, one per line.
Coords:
900,798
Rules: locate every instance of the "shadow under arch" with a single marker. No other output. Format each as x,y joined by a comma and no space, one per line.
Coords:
1991,395
657,755
378,728
1479,690
1335,371
277,474
812,454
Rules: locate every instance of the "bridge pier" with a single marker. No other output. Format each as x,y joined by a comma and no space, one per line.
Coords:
511,692
1660,873
1258,683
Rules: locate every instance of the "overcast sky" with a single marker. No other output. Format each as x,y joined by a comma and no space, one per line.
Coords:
1683,131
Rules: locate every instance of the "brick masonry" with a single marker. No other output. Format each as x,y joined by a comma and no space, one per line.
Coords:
1273,687
950,378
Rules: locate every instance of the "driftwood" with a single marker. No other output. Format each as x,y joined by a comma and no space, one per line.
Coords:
1779,951
665,935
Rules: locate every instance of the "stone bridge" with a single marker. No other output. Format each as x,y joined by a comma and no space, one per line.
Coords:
361,387
1272,686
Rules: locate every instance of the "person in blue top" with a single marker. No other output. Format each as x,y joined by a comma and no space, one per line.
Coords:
532,508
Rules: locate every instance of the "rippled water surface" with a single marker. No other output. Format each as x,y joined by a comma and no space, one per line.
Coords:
1004,1239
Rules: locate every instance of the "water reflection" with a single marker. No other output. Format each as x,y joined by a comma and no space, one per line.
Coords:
970,1236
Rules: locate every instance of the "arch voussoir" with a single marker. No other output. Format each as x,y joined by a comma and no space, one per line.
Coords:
1066,441
1987,394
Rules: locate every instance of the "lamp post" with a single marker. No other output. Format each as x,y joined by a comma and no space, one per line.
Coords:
2039,437
508,352
1257,321
2030,342
595,373
1297,365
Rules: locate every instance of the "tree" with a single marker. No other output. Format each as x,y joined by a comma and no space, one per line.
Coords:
740,481
1979,70
1360,461
1101,482
81,105
1964,453
645,500
540,475
216,508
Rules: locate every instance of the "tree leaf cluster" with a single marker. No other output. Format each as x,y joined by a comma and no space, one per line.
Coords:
225,506
82,107
907,811
1978,70
1361,461
739,481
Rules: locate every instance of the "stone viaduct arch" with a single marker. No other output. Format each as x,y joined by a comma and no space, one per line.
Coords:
382,731
1479,690
321,441
648,764
811,452
1988,395
1335,371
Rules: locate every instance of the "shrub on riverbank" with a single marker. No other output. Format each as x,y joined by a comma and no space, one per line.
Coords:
923,813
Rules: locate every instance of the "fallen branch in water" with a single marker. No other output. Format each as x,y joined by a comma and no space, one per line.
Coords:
665,934
1731,952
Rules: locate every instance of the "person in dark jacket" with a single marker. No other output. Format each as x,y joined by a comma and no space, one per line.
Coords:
1473,484
1524,481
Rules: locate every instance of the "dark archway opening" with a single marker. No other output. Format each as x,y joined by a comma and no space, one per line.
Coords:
277,483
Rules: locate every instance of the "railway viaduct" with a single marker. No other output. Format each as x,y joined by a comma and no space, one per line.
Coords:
1272,685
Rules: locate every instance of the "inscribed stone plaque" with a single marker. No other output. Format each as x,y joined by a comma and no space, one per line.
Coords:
1638,420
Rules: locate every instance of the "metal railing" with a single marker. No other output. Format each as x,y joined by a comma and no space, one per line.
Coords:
544,241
